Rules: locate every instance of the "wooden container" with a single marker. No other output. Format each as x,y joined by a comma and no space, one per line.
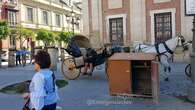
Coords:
133,74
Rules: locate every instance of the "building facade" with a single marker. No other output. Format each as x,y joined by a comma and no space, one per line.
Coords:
53,15
48,14
124,22
9,11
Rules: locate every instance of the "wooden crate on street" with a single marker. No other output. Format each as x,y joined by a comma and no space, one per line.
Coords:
133,74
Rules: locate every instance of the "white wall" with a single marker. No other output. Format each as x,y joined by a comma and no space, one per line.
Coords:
85,17
22,12
186,23
37,11
95,15
138,20
113,4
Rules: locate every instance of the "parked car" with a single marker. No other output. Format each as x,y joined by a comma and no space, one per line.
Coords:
4,56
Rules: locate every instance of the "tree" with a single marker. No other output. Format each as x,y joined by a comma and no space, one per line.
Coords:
65,37
46,36
4,32
23,34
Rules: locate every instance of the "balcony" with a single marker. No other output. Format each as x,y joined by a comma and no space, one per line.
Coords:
9,3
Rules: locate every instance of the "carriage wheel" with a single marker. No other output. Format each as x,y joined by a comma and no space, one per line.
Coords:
68,69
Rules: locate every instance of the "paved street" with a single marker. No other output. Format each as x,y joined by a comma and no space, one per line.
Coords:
91,93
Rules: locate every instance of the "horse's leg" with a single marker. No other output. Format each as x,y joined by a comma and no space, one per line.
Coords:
169,68
166,66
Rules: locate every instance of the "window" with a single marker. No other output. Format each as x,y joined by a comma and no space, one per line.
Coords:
29,14
116,31
163,27
45,18
11,1
12,18
58,21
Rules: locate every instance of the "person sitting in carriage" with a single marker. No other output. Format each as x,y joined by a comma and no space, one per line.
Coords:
92,57
89,61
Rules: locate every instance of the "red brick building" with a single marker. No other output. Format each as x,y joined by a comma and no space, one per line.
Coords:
9,12
125,22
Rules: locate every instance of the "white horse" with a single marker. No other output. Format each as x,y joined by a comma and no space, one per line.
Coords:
163,50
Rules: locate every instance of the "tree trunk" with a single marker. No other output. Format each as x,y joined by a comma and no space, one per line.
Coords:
1,45
62,52
0,52
20,42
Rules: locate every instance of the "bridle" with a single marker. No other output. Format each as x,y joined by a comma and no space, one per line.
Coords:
182,39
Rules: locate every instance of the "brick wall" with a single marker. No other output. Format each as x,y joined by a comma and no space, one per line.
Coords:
124,10
150,5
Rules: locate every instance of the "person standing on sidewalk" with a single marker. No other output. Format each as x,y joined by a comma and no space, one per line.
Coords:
18,59
43,90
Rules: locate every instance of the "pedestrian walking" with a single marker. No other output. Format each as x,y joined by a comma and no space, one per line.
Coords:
18,57
43,90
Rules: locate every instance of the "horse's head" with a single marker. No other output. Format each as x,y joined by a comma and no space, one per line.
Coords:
181,40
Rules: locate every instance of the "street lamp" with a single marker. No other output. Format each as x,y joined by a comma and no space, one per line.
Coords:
73,22
73,19
190,11
191,88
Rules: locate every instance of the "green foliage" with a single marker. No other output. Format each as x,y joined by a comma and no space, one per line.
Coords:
65,36
22,34
46,36
4,30
22,87
13,31
61,83
27,33
51,37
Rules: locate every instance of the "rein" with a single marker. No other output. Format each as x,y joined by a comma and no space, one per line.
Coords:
167,48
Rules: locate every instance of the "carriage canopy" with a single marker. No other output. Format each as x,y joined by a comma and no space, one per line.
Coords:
81,41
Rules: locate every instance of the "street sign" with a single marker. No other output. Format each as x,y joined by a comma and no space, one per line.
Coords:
190,7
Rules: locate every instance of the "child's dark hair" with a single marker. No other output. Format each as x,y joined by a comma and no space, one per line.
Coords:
42,58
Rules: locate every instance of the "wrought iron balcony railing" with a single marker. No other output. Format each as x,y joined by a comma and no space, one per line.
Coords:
9,2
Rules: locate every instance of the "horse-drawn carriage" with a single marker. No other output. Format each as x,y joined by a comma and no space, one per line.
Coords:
72,65
77,49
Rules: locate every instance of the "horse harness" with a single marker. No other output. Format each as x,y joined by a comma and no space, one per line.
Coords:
162,53
140,49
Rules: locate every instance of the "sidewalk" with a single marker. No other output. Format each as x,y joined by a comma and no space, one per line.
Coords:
92,93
